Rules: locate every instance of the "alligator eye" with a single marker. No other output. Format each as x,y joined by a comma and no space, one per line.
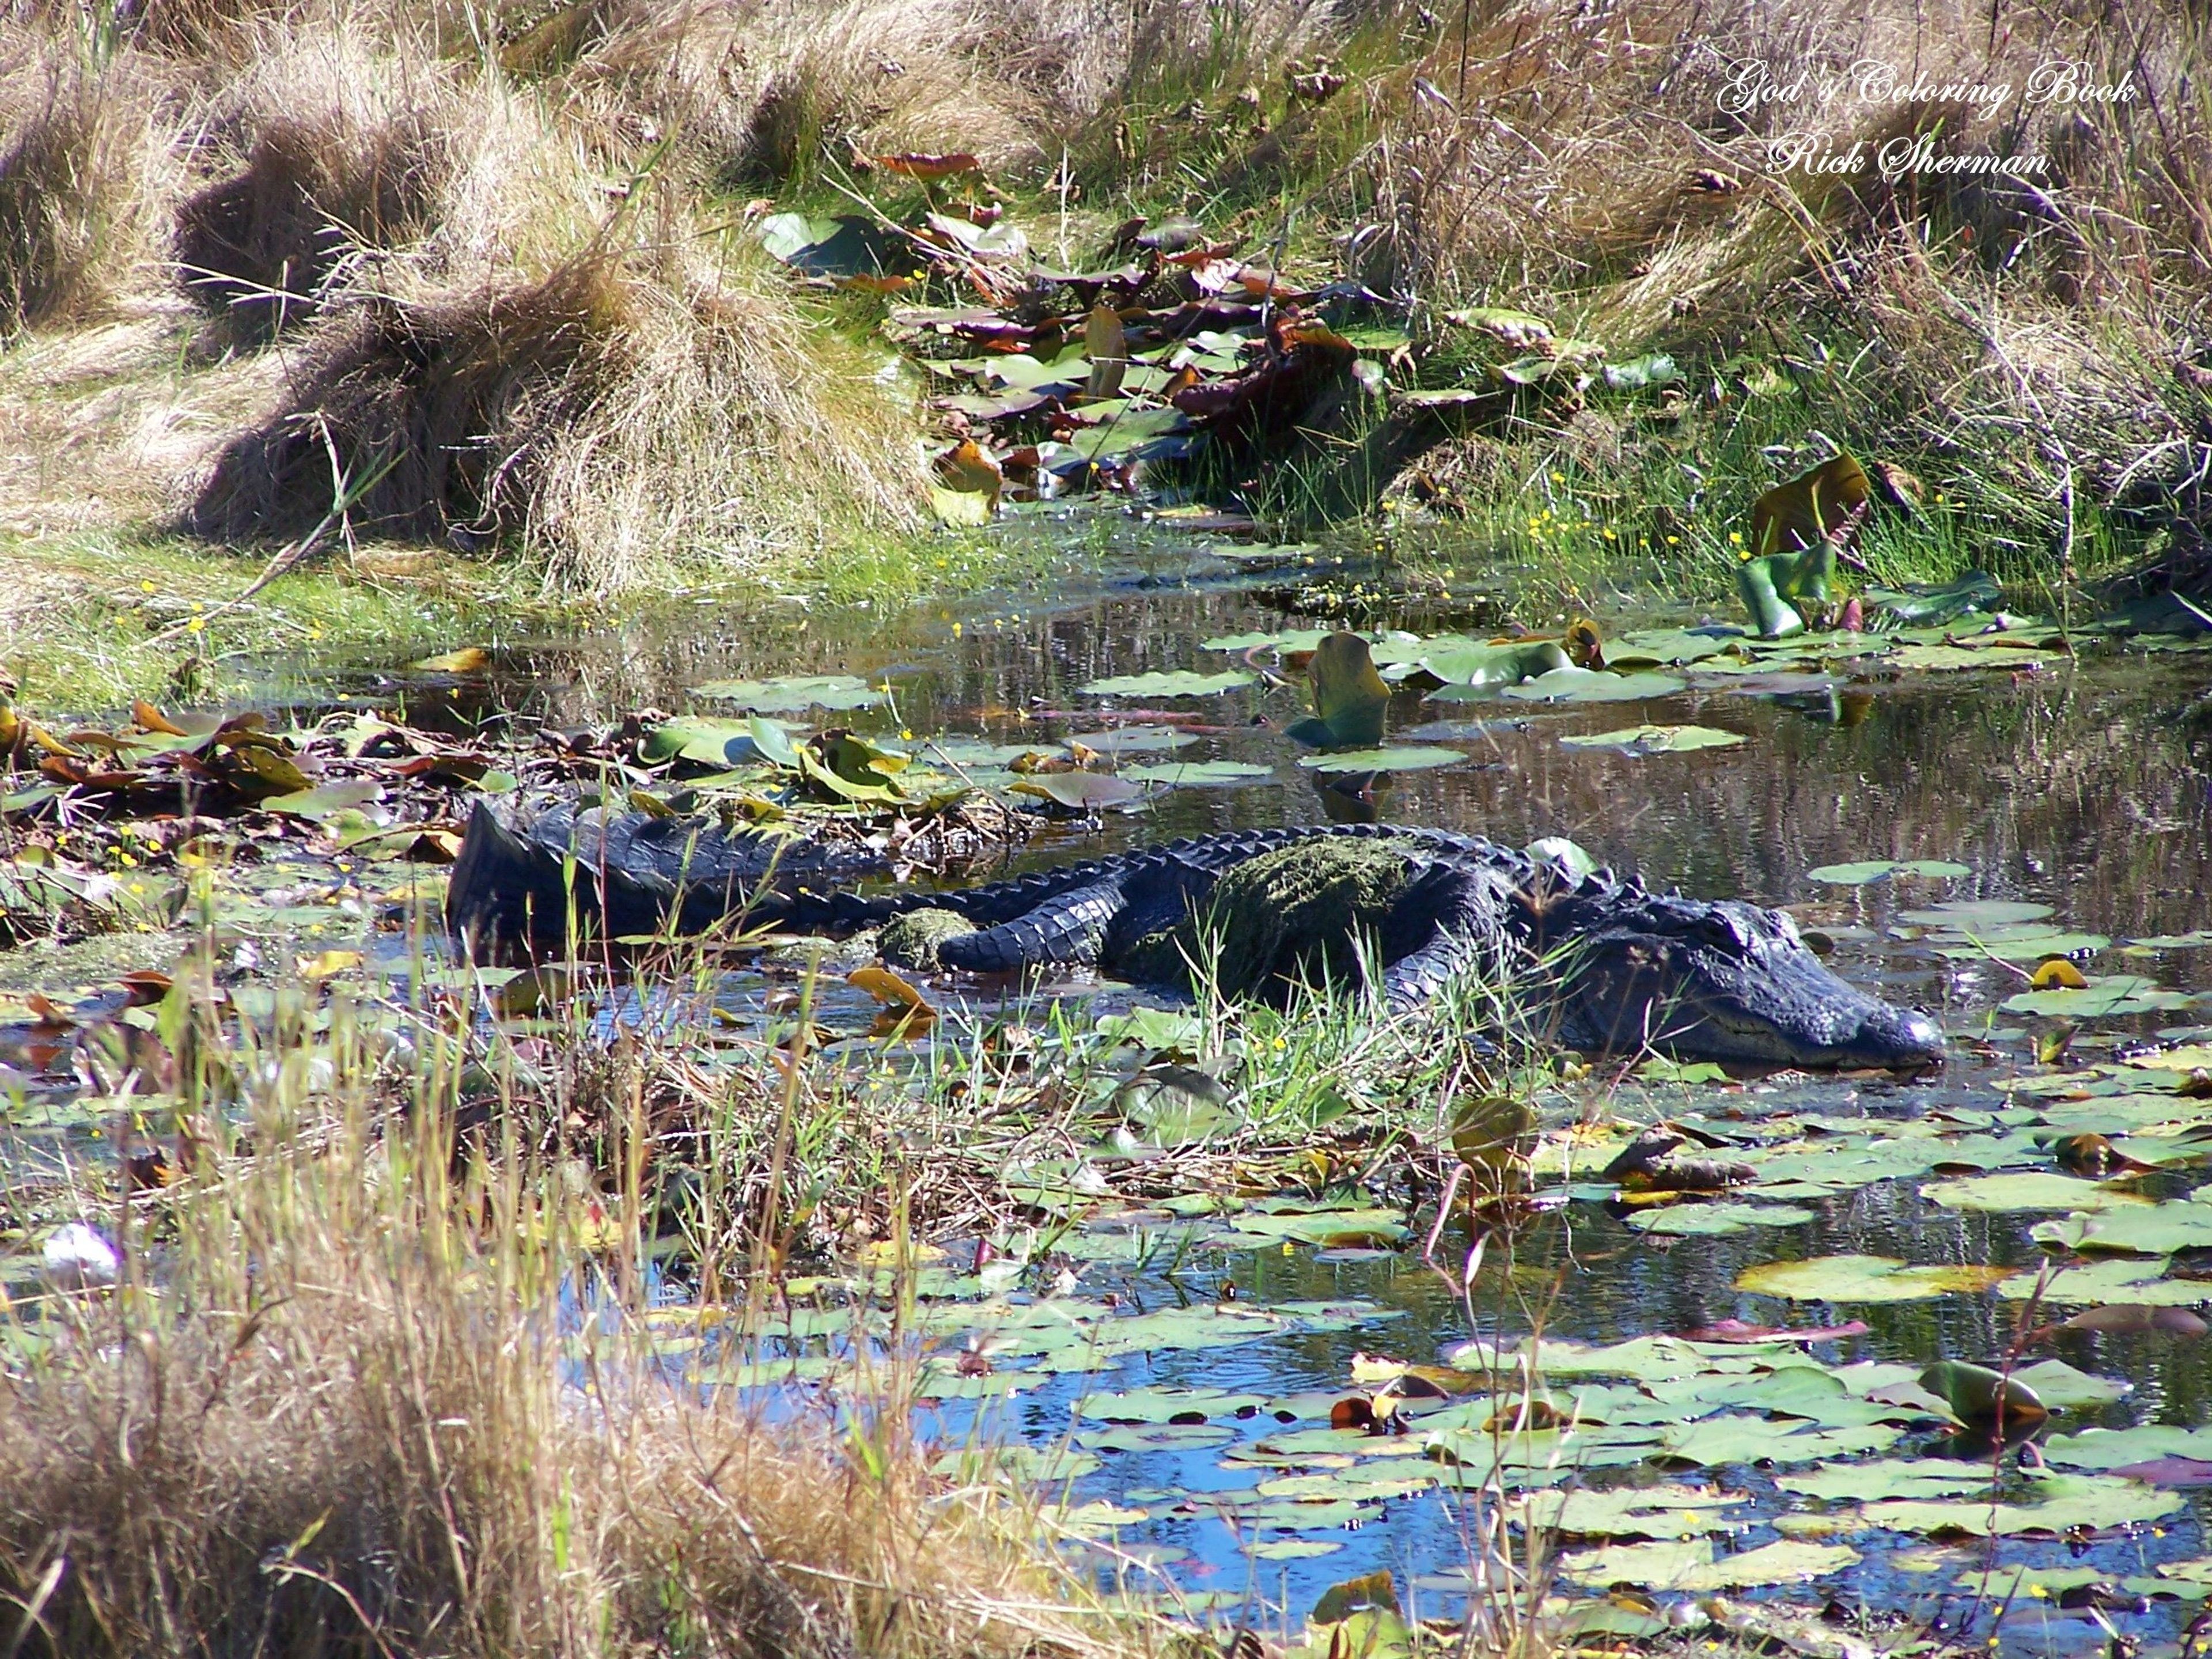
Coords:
1723,930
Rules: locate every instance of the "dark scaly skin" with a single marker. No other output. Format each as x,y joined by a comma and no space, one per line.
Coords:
1624,968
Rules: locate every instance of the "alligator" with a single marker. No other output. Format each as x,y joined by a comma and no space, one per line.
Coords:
1623,968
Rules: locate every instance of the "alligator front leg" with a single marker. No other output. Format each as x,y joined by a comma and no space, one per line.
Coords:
1450,920
1067,930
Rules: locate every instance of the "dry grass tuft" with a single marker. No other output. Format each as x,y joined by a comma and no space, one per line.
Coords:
417,419
78,162
617,422
260,247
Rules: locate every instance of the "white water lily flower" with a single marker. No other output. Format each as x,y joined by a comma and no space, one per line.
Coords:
77,1258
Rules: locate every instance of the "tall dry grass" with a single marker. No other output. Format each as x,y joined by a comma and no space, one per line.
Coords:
2034,330
356,1395
526,321
85,172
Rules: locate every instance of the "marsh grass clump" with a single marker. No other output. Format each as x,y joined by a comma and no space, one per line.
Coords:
75,160
421,418
611,421
259,248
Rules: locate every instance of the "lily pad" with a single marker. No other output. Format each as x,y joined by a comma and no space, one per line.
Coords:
1888,1478
1575,685
1133,739
1857,875
1169,1406
1080,792
2025,1189
1400,757
1184,775
325,799
794,693
1864,1279
1852,875
2106,996
1975,916
1656,740
1706,1221
2062,1503
1691,1564
1663,647
1181,683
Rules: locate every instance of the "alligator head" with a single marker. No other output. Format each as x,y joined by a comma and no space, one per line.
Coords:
1720,980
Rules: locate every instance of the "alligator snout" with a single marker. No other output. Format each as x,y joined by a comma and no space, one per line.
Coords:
1901,1038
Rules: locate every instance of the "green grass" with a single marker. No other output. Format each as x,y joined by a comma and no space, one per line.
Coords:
132,631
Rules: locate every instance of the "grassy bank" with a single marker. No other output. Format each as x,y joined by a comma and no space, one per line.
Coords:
487,280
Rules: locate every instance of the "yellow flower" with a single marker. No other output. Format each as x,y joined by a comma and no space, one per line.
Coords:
195,624
906,734
148,586
1558,477
1736,536
956,630
1674,541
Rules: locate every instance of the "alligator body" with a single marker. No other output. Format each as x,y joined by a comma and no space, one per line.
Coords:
1622,967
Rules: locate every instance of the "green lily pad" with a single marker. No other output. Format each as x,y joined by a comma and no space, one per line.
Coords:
2188,941
1658,1512
2028,942
1191,775
2026,1190
2062,1503
2119,1281
1290,1549
795,692
2105,997
1857,875
1080,792
1864,1279
1975,591
1664,647
1852,875
1656,740
326,800
1887,1478
2153,1230
2117,1449
1132,432
1402,757
1181,683
1483,669
2061,1387
1167,1405
1133,739
1296,639
1176,1105
1705,1220
1691,1564
1576,685
1975,916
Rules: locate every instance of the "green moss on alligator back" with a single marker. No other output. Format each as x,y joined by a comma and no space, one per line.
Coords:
1286,916
910,941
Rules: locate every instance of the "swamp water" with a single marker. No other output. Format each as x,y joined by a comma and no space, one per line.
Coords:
1176,1365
